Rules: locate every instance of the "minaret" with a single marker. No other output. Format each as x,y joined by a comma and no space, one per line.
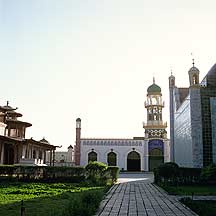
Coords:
155,127
193,75
171,106
77,146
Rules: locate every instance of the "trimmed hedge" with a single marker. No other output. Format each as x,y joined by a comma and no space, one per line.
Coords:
46,173
94,172
208,174
171,174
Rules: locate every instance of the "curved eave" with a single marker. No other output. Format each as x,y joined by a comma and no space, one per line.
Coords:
11,121
48,146
12,113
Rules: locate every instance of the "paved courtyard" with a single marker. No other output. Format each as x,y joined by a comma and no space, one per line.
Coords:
135,195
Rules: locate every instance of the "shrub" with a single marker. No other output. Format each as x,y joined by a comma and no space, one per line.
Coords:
208,174
113,173
85,203
95,172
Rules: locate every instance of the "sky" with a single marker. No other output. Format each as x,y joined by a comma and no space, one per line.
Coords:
94,59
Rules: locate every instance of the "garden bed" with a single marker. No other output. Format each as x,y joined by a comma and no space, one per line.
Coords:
49,199
202,208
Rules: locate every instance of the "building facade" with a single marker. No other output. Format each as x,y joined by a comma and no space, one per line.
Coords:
135,154
63,158
192,120
14,147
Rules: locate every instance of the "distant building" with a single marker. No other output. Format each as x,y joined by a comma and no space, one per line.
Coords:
136,154
193,120
63,158
14,147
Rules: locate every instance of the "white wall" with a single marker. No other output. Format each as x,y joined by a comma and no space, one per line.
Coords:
120,147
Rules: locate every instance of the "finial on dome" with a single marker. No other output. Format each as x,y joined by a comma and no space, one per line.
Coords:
7,103
154,80
193,62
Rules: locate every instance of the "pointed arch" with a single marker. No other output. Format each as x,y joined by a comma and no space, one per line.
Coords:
92,156
133,161
111,159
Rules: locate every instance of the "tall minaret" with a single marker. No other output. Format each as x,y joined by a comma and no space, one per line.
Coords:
155,127
77,146
193,75
171,106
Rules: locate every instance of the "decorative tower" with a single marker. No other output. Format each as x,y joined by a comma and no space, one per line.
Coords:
193,75
155,127
77,146
171,99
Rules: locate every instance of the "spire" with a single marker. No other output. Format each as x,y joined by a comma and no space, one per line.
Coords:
193,62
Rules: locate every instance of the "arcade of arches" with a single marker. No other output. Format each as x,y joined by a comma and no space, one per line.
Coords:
133,159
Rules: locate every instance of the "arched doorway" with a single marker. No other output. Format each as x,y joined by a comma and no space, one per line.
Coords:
92,156
155,158
133,161
111,159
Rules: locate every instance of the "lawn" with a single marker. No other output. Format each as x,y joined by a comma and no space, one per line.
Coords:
202,208
45,198
188,190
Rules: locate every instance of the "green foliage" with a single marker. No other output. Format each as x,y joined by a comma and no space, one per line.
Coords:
113,172
190,189
202,208
86,204
188,176
171,174
208,174
167,172
45,174
44,198
96,172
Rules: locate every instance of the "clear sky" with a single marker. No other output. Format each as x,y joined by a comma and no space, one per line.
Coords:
63,59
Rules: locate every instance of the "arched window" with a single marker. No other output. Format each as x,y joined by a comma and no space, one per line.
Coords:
92,156
111,159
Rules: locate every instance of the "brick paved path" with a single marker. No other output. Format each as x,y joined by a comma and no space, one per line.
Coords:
140,198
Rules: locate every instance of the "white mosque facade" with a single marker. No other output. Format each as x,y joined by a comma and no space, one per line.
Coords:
135,154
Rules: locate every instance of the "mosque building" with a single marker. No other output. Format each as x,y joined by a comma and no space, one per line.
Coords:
193,120
135,154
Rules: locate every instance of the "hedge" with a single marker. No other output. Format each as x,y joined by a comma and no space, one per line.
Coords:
94,172
171,174
46,173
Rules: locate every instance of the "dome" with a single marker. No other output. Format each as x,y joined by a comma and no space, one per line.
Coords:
193,69
154,88
78,119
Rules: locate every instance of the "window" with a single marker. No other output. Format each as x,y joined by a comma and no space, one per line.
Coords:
111,159
92,156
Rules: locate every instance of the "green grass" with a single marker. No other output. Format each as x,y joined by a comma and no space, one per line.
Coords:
188,190
41,198
202,208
